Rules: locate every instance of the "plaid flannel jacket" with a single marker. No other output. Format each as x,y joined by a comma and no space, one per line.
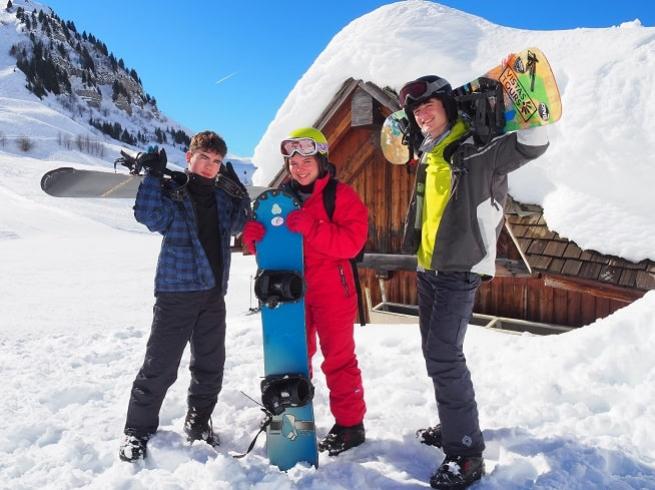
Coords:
183,264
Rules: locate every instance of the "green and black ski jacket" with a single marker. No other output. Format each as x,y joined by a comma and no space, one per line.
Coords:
471,219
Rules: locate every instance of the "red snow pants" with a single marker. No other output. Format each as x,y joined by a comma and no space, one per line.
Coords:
333,324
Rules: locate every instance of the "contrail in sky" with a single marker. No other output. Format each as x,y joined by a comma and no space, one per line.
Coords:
226,77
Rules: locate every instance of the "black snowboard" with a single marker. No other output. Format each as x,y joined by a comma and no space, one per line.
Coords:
72,182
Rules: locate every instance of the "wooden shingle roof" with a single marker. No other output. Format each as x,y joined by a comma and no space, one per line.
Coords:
547,252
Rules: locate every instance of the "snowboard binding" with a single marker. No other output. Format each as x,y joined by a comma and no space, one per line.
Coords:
136,162
484,110
275,287
279,392
282,391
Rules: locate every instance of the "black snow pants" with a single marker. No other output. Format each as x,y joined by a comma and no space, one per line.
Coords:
445,307
197,318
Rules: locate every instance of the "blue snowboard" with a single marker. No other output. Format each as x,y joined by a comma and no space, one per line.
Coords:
291,436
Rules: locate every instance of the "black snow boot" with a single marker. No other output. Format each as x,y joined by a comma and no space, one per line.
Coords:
430,436
458,472
341,438
133,448
198,426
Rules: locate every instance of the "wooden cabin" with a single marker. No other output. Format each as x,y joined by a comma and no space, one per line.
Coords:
541,277
565,285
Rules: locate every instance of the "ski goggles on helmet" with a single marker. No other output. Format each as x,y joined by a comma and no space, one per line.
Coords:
419,89
303,146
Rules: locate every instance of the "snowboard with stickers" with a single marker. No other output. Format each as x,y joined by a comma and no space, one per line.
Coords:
522,91
287,391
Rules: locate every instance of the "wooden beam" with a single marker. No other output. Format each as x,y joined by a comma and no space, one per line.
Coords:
391,103
509,231
511,268
593,288
337,127
339,98
388,262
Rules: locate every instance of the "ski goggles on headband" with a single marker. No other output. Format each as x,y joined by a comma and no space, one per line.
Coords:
418,89
304,146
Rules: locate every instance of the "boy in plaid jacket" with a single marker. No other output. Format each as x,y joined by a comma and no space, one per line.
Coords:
196,221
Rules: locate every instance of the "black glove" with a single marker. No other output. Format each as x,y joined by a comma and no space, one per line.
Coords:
228,181
154,161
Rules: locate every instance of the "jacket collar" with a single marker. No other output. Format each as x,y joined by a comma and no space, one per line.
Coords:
437,147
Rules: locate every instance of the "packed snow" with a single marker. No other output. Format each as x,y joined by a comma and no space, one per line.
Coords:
568,411
594,181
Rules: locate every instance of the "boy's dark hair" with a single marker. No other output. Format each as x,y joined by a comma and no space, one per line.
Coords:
208,141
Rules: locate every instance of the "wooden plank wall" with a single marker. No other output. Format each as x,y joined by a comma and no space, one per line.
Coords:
530,299
384,188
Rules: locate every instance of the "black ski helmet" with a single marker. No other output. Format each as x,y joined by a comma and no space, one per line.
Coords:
426,87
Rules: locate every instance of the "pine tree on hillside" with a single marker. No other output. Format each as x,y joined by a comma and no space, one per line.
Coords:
9,5
87,61
66,31
62,51
135,76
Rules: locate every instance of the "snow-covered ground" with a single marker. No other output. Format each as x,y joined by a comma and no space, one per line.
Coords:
567,411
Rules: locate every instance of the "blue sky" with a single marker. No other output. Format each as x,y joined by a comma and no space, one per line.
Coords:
260,48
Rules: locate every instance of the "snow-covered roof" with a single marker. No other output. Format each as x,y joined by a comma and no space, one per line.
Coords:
594,181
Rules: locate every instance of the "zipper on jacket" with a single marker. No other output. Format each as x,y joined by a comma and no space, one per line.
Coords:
344,283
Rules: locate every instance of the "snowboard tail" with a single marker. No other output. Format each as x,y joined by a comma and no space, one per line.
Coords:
71,182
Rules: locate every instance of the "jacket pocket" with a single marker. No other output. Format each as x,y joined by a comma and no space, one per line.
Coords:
178,265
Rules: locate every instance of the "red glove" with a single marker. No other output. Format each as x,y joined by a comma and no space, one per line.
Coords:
253,231
301,222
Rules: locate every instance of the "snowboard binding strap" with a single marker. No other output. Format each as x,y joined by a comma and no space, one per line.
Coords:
484,110
262,427
275,287
282,391
136,162
279,392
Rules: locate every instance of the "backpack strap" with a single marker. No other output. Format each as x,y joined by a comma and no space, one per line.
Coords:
329,202
330,197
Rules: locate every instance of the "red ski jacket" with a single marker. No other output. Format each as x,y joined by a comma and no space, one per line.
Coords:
331,244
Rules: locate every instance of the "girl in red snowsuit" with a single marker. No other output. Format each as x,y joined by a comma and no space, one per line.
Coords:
330,298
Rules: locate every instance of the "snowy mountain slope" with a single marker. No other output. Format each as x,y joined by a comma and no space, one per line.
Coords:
65,118
601,152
